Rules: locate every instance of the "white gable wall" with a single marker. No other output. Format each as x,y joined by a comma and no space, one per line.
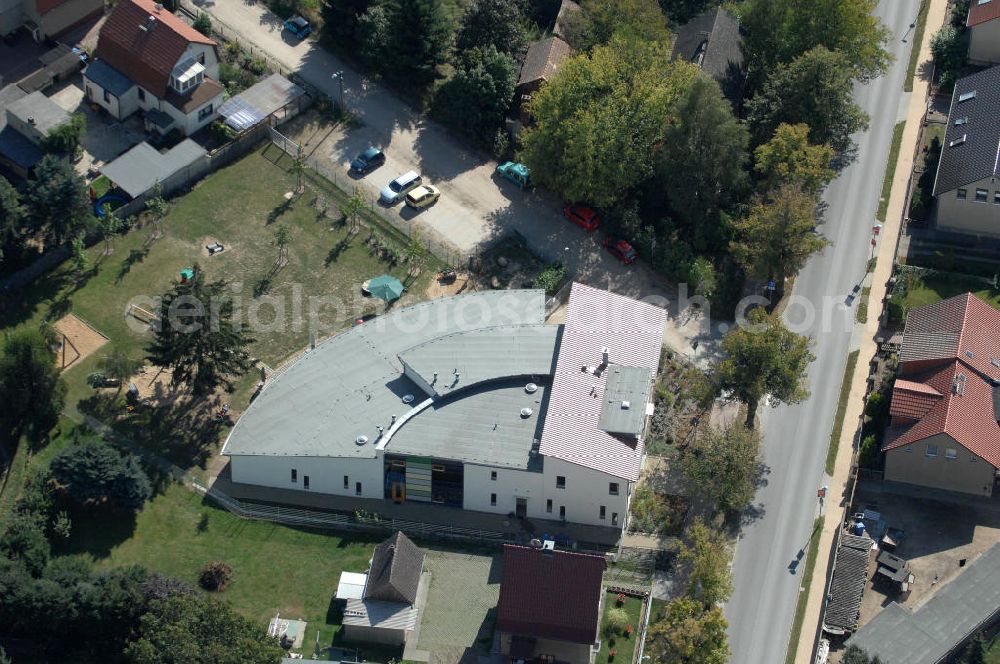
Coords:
326,474
206,55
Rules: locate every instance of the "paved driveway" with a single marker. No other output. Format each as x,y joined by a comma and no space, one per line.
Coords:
474,206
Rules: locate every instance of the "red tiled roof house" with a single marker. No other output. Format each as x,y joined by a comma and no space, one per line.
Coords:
149,60
984,32
550,604
47,18
945,404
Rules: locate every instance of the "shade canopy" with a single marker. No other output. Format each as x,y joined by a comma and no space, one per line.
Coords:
386,287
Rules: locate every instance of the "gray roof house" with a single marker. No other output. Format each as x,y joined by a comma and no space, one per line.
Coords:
712,41
395,570
966,186
25,121
940,627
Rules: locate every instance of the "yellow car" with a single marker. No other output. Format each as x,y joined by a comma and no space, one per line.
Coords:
423,196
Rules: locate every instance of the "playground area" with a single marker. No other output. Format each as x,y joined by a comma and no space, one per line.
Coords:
77,340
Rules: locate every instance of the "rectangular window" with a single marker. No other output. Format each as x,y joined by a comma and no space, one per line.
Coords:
996,198
493,499
614,518
295,475
201,58
982,195
603,512
142,95
613,488
908,449
305,481
548,506
961,193
205,112
347,482
560,482
357,488
107,97
562,511
493,476
932,450
950,453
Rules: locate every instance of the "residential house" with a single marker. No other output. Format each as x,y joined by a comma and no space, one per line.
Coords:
470,401
568,16
967,185
945,405
149,60
983,26
380,606
550,604
937,630
539,65
712,41
25,121
45,19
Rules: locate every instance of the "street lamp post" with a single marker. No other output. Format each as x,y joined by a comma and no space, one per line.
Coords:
339,76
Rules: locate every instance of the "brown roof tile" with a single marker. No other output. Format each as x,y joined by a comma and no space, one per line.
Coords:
983,12
189,101
145,56
550,594
395,573
543,58
912,400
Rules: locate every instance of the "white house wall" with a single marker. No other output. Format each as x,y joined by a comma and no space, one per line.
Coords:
969,215
984,43
189,123
118,107
196,51
326,474
586,491
509,485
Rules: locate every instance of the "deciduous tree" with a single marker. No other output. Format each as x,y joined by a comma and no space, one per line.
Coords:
12,216
778,235
158,207
600,20
31,390
763,360
496,23
816,89
198,337
475,99
706,553
23,539
855,655
789,158
689,633
724,465
702,277
64,140
599,118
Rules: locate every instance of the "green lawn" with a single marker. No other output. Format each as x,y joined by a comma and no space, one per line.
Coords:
916,41
933,289
890,170
838,421
807,577
625,647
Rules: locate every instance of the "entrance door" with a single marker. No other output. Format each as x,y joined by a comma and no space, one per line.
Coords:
521,510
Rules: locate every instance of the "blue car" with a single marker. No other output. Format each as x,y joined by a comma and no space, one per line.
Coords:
299,27
368,160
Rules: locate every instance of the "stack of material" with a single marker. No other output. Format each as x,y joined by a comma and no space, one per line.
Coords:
849,576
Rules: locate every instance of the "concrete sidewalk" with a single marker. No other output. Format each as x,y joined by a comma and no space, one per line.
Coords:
868,332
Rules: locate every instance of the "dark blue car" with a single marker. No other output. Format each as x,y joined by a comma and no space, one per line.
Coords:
299,27
368,160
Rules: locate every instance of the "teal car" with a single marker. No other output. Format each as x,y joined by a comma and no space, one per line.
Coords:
517,173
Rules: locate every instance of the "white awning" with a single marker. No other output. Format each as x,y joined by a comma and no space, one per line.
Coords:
351,586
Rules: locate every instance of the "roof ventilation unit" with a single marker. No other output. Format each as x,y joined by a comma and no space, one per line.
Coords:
526,413
626,405
407,398
530,388
969,354
361,440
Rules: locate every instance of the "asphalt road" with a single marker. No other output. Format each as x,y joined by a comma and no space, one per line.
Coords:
796,437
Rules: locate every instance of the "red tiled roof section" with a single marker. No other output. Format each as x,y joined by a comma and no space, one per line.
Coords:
954,328
543,59
983,12
912,400
145,56
550,594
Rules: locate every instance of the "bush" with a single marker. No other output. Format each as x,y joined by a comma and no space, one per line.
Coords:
615,621
257,65
918,204
203,24
215,576
551,278
868,453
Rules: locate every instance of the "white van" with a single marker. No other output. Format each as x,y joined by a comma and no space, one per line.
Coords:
398,188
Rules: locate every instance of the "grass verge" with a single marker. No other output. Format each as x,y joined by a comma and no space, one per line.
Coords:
916,42
838,422
890,170
807,577
862,312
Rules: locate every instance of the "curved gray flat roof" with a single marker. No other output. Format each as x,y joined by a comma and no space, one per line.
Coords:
353,382
483,355
482,424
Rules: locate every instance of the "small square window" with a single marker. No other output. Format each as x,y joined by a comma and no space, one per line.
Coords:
493,476
950,453
982,195
493,499
962,193
560,482
205,112
603,512
548,506
932,450
562,511
347,482
357,488
613,488
295,475
614,518
996,197
305,481
107,97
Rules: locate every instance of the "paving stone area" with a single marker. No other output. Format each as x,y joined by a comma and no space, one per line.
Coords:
458,619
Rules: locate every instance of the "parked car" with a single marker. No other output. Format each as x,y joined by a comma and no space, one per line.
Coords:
368,160
299,27
621,250
398,188
582,216
519,174
423,196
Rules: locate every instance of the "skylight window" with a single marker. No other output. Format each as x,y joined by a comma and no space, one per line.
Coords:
966,96
958,141
984,2
961,121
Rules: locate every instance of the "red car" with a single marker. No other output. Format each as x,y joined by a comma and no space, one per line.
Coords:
582,216
621,250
